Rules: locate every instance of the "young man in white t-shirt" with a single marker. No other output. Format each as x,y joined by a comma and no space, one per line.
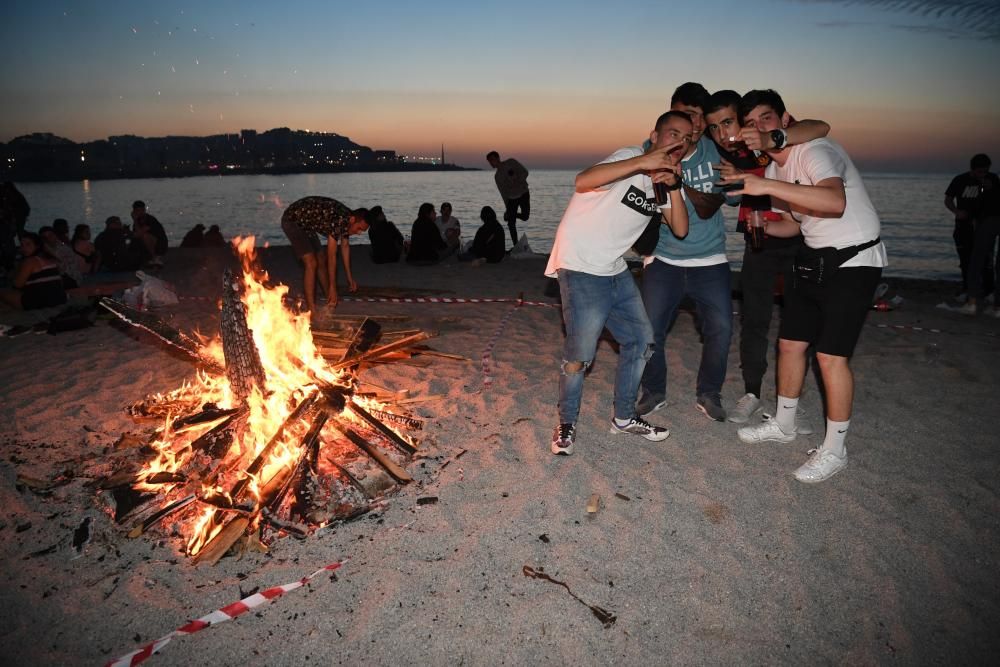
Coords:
820,193
612,205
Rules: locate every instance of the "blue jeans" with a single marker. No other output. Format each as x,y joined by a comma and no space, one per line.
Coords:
589,303
663,287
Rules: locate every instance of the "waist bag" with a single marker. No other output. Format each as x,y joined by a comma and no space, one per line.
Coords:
818,266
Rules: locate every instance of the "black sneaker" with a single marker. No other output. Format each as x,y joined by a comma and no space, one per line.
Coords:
649,403
638,426
712,407
563,439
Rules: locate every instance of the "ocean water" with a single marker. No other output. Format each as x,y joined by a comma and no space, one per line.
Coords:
916,227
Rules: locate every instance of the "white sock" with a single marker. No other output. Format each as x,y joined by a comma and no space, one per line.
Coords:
836,433
785,414
622,422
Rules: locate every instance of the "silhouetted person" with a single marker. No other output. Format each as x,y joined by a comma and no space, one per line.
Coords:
14,212
384,236
512,181
117,251
488,243
155,228
195,238
61,227
214,237
37,280
84,247
965,197
426,244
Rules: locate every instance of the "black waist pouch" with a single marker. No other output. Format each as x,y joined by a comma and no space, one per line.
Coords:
818,266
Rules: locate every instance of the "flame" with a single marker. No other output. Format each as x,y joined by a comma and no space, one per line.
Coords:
293,368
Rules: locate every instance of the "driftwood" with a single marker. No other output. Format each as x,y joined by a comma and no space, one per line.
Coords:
161,330
243,367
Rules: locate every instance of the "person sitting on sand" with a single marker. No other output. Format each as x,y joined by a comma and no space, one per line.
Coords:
61,228
70,264
159,235
84,248
144,237
450,228
426,244
384,236
489,243
195,238
37,280
306,218
214,238
117,251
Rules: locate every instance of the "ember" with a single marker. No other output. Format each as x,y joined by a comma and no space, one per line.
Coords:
269,433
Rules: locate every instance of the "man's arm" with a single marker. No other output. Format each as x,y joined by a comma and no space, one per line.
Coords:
331,269
785,228
826,199
601,174
799,132
345,253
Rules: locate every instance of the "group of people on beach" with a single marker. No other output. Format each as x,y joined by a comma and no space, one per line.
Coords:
808,223
52,261
433,237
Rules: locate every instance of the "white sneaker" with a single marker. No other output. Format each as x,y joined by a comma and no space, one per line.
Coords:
967,309
745,407
821,466
766,431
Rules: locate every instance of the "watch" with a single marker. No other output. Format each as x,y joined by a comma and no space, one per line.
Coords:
779,137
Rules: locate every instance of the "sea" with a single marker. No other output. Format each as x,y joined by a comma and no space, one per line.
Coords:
916,227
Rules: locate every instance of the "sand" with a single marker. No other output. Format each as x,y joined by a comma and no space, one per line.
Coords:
705,549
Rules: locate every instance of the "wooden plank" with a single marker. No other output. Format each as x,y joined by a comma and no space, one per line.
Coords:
223,541
395,471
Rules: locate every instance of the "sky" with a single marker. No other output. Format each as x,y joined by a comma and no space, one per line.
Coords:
907,85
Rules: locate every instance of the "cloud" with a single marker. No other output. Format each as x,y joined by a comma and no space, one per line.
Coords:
968,19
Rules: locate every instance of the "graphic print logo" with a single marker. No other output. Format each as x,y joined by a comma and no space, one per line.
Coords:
636,200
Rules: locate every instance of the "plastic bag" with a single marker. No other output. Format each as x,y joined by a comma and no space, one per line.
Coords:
521,249
149,293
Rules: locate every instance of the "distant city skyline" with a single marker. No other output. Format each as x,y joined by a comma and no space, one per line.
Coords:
906,85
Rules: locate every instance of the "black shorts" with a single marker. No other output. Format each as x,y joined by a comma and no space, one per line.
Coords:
830,317
303,242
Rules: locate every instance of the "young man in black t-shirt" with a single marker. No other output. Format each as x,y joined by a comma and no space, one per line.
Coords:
965,197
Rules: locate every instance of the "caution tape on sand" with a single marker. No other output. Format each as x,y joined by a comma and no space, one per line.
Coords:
227,613
486,362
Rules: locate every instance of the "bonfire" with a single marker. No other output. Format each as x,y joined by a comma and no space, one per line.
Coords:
268,434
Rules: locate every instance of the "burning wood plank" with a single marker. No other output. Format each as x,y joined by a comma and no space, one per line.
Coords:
161,330
394,437
243,367
379,351
390,466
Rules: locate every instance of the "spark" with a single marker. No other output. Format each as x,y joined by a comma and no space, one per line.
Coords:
173,70
134,31
191,107
196,62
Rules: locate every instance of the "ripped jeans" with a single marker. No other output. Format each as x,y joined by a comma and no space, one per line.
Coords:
589,303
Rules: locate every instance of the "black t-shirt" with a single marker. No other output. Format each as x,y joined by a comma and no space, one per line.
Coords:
977,198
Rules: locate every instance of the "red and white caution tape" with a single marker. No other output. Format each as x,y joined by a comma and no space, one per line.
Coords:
487,359
227,613
446,299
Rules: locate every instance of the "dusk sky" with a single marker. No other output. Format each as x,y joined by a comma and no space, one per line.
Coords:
907,86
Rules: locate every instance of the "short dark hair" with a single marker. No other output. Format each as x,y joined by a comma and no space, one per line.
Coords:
60,223
721,99
755,98
487,214
446,203
667,115
980,161
113,219
691,94
492,154
361,214
138,203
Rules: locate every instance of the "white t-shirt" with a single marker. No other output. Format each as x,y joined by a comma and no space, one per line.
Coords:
443,227
817,160
599,226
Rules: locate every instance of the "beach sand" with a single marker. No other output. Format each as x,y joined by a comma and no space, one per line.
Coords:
705,549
